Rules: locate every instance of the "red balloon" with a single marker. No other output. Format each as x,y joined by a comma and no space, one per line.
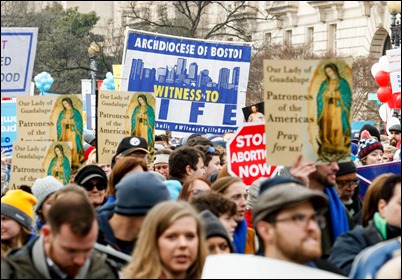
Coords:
382,78
397,100
390,103
384,94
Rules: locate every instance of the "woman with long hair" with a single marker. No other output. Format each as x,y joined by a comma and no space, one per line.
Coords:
234,189
171,244
381,221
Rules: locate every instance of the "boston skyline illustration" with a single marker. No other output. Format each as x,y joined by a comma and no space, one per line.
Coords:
179,77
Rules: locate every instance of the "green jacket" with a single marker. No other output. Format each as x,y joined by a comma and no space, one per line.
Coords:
20,264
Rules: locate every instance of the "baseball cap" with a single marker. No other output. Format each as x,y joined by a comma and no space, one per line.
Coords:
130,144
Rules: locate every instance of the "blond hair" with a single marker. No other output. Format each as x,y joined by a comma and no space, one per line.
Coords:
146,261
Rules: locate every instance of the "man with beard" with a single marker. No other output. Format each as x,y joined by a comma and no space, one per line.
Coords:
65,248
395,135
323,178
288,224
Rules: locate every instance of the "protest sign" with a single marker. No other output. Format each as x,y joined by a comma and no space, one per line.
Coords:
37,159
8,125
307,110
367,173
200,85
122,114
239,266
18,50
52,118
247,154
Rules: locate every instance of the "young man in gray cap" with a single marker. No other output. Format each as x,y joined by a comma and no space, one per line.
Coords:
395,135
288,225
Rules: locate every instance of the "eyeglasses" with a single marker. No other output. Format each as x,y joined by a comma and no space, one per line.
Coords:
302,220
196,192
347,183
90,186
210,150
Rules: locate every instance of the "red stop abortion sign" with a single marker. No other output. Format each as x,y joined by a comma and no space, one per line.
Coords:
247,154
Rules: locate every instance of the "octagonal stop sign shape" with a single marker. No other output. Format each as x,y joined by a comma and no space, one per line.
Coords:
246,153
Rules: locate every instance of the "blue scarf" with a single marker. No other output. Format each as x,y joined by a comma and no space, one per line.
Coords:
337,212
240,236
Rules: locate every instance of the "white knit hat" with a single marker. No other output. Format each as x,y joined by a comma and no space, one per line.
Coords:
43,187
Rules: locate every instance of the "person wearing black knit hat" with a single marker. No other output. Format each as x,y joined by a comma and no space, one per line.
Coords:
374,132
347,187
217,237
94,180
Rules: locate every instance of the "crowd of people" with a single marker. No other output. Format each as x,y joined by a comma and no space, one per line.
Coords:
161,214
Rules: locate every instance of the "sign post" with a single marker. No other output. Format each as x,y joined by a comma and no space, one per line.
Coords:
247,154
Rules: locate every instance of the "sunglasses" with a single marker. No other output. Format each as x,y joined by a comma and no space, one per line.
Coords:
89,186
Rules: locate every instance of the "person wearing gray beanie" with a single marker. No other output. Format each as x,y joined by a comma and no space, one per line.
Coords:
136,194
217,237
43,189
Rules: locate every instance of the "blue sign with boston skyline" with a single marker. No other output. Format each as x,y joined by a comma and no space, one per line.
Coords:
205,81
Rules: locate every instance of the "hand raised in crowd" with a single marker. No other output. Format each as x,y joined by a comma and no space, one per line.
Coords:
301,171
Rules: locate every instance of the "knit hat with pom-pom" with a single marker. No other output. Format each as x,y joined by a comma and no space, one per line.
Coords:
367,144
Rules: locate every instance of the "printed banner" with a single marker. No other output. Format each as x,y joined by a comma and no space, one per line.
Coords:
37,159
18,50
200,86
8,125
52,118
122,114
368,173
307,110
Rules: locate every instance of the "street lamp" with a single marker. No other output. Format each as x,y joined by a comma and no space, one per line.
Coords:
93,51
394,8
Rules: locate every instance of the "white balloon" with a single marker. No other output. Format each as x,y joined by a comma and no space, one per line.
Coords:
385,112
384,63
375,68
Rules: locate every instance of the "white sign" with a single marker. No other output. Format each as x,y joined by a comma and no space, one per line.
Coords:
18,49
395,81
394,59
239,266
